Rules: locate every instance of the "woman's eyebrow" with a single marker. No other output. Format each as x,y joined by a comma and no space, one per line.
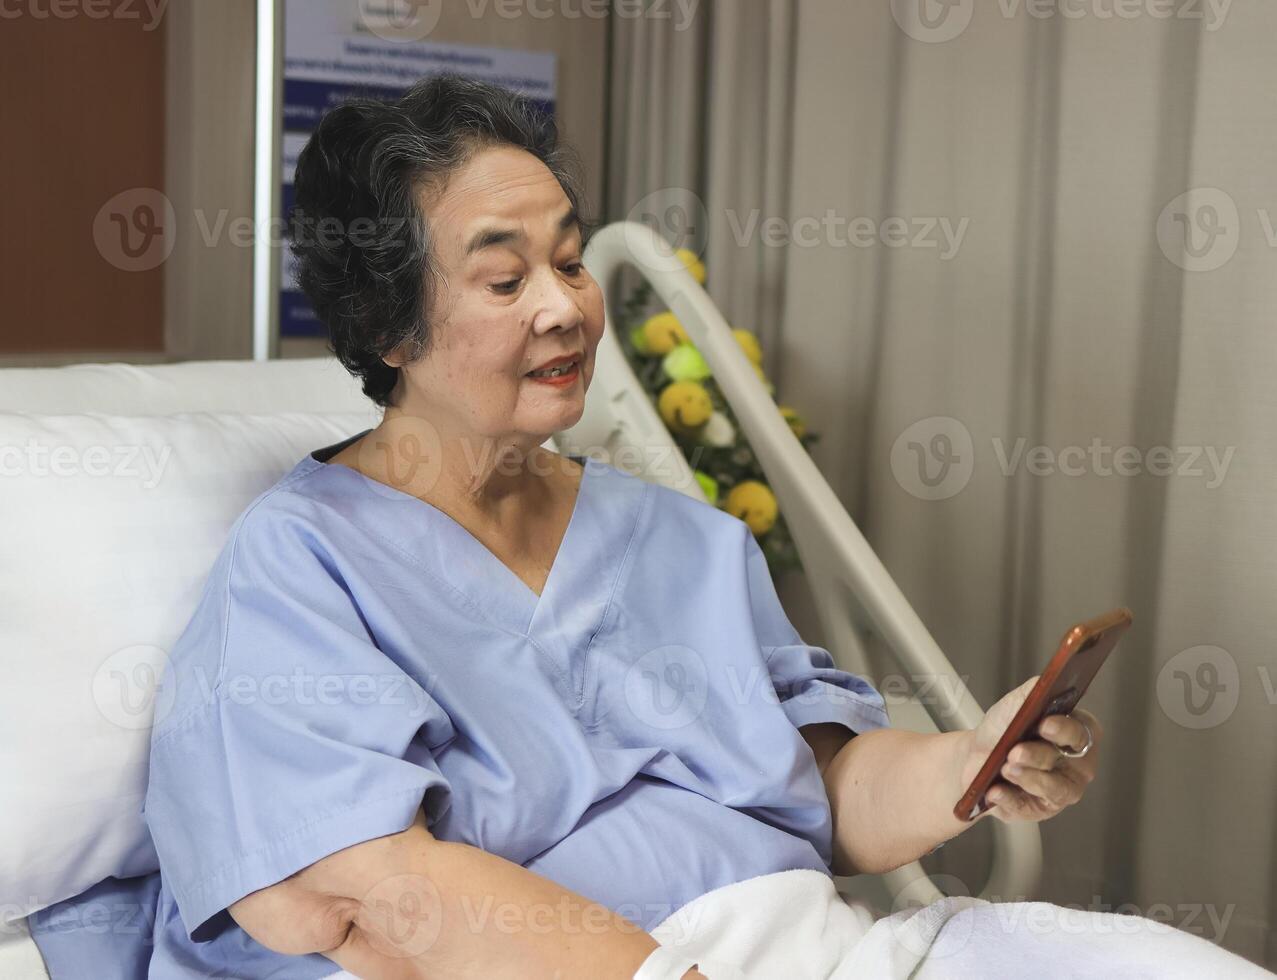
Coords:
491,237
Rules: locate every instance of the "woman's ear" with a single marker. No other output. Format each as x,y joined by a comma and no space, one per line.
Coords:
405,353
395,358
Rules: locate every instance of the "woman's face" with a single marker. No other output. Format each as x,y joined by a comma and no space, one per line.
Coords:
512,295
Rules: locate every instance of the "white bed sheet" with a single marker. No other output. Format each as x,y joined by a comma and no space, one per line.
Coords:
20,958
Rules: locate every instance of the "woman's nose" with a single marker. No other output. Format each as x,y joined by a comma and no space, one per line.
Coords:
558,304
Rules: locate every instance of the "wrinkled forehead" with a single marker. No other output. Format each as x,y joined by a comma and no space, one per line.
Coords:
503,197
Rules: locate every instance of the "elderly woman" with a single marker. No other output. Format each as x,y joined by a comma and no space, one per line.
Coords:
454,705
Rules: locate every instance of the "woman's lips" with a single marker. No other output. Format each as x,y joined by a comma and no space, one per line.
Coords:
563,380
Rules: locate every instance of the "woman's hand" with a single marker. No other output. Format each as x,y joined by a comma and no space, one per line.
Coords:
1042,781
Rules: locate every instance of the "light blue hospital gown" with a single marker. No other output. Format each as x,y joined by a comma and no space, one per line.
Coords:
632,733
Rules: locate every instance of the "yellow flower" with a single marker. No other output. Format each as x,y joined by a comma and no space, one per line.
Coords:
749,344
755,504
694,265
771,388
662,333
796,423
685,405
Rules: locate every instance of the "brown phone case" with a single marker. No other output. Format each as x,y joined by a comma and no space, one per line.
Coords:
1058,690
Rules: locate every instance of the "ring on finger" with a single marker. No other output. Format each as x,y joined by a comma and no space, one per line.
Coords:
1076,753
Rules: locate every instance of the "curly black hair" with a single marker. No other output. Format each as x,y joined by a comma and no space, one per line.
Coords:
363,246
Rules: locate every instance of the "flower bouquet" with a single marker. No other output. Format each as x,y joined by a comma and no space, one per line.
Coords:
678,379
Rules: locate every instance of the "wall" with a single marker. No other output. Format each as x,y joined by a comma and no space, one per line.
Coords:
110,107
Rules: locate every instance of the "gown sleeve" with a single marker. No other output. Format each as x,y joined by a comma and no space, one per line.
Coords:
287,733
808,685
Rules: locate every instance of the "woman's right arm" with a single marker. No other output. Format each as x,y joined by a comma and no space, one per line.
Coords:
409,905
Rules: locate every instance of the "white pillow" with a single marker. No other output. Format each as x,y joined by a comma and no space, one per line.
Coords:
108,528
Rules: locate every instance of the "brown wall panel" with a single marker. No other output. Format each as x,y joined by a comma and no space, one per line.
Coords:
81,121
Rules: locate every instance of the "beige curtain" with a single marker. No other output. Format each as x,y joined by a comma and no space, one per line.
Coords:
700,137
1028,297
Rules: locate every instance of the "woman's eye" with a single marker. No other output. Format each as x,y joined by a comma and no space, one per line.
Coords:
507,288
573,268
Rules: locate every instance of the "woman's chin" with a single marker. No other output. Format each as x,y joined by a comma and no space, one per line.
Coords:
552,419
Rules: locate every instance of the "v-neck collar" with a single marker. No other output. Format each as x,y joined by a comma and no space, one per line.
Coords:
578,586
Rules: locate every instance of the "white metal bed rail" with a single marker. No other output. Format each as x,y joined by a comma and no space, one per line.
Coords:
855,595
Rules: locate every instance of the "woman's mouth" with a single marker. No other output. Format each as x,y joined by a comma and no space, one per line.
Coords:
560,376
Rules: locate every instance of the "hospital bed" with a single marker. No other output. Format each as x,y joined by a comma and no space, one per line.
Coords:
116,561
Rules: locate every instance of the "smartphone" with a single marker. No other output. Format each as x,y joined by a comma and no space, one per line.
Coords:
1058,690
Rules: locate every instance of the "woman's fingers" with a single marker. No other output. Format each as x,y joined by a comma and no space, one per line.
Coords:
1055,789
1034,754
1039,781
1066,731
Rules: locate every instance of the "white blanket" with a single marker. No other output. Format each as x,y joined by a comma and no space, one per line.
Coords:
795,925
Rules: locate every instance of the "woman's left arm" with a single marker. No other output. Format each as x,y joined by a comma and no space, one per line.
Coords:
892,791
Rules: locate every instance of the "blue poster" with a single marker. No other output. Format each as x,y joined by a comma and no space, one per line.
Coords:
337,48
